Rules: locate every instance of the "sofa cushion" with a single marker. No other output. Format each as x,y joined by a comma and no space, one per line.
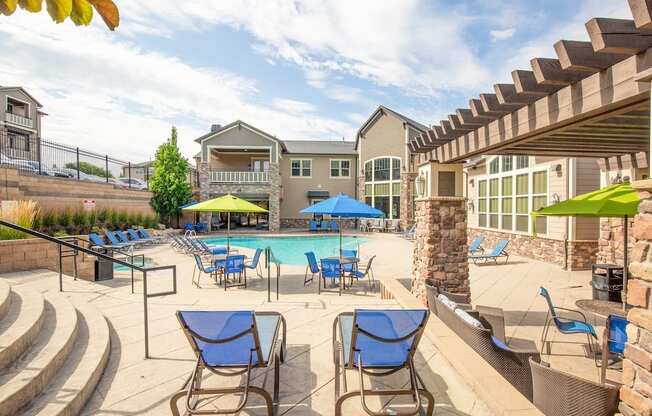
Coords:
464,315
449,303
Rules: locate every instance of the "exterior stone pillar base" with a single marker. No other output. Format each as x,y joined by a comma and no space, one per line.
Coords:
440,248
407,196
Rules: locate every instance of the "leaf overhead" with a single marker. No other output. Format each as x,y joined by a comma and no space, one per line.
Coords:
82,12
109,12
33,6
8,7
59,10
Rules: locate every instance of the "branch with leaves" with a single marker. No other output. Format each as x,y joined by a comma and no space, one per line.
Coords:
79,11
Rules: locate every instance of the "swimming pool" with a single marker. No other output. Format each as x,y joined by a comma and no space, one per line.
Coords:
291,249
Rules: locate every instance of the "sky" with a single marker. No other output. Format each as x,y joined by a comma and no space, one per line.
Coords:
300,70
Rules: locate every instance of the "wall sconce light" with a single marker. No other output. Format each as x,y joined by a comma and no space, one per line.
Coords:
471,207
555,198
472,182
420,184
557,169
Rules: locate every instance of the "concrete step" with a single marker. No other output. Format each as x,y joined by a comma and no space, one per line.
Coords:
21,324
5,298
29,376
75,382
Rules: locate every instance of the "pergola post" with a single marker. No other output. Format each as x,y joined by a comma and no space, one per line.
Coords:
440,248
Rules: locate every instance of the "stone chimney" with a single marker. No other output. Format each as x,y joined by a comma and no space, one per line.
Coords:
215,127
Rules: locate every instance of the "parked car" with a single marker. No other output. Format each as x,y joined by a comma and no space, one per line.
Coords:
135,183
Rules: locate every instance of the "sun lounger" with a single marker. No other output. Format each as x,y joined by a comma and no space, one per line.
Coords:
497,252
379,343
231,344
476,245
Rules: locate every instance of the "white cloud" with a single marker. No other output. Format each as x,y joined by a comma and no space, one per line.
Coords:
346,94
502,34
294,106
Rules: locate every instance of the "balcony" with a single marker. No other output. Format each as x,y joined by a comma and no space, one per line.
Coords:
217,176
19,120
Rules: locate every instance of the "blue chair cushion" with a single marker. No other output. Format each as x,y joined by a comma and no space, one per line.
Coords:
221,325
498,343
575,327
357,274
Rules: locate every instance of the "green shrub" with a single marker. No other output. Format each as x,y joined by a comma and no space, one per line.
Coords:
103,216
113,220
138,219
80,218
48,219
123,219
92,218
64,219
22,214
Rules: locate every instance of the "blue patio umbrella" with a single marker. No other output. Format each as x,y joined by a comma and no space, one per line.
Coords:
343,206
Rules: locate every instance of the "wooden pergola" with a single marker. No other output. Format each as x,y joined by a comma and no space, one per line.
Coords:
587,102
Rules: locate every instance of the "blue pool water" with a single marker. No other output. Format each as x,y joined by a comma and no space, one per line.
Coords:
137,261
290,250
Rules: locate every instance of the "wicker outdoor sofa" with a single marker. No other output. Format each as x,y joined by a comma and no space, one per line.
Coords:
511,363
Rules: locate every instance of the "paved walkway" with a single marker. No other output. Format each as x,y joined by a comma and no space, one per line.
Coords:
133,385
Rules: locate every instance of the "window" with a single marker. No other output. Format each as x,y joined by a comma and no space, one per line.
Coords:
301,168
522,191
540,198
493,203
368,171
18,141
522,162
340,168
381,169
507,163
506,203
482,203
396,169
494,166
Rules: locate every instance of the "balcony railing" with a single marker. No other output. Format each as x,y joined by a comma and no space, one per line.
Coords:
19,120
218,176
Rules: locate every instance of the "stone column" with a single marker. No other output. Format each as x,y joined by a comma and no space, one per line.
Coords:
440,249
407,197
274,198
204,192
636,391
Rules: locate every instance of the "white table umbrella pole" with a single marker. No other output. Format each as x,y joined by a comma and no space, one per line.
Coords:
228,233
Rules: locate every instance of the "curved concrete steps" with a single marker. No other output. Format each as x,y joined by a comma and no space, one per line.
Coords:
54,353
21,325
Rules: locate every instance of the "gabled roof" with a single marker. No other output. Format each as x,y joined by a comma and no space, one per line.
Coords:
382,110
242,124
21,89
320,147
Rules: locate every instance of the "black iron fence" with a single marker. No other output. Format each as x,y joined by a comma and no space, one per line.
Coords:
43,157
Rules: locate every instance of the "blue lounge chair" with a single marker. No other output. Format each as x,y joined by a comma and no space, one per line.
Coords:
136,237
213,270
410,232
368,272
214,250
497,252
234,266
122,237
613,342
231,344
97,242
323,225
254,264
335,227
349,267
330,269
312,267
115,242
145,234
565,325
312,226
476,245
379,343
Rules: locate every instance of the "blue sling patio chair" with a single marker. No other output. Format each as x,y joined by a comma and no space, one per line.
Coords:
110,235
367,272
145,234
330,269
312,267
476,245
497,252
213,269
122,237
235,266
349,267
613,342
136,237
323,226
231,344
211,249
379,343
335,227
565,325
254,264
312,226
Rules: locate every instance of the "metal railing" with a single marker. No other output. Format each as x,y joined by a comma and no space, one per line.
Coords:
269,261
219,176
19,120
74,248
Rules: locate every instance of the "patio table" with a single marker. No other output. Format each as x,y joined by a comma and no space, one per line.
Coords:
345,260
602,308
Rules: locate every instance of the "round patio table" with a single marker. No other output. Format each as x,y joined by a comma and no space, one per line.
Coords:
344,260
602,308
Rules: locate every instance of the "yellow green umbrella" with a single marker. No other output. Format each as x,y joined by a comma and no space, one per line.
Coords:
615,201
227,203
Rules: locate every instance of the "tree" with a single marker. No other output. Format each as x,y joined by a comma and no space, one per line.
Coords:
169,182
89,169
79,11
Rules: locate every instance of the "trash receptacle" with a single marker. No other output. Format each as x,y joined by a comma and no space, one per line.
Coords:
103,269
607,282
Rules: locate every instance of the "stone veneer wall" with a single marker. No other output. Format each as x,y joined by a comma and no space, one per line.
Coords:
636,391
611,240
272,189
440,247
407,207
581,254
34,253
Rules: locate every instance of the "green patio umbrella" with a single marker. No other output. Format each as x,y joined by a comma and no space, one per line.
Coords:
227,203
615,201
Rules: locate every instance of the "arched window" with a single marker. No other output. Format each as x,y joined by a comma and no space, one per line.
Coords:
382,185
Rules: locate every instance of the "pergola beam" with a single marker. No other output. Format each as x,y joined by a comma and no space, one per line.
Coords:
642,12
617,36
507,94
579,56
548,71
526,83
491,105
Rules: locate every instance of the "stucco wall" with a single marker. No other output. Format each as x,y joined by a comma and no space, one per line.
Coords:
385,138
238,162
240,136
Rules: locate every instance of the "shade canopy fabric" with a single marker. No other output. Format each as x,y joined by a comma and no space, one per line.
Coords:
226,203
613,201
191,203
343,206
